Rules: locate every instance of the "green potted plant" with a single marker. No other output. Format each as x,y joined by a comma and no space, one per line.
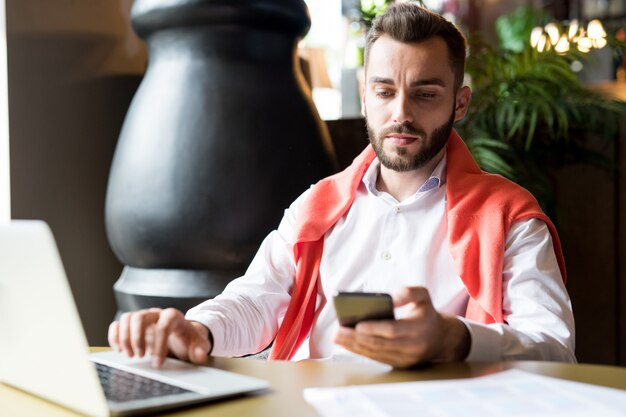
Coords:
530,112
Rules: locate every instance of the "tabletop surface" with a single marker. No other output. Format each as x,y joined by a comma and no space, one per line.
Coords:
288,379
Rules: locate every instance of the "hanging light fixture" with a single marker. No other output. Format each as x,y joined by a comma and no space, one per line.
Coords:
535,35
572,32
584,44
562,45
550,36
595,30
553,32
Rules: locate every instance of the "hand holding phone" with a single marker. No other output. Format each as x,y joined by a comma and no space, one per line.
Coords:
353,307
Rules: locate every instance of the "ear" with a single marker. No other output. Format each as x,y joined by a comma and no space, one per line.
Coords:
463,97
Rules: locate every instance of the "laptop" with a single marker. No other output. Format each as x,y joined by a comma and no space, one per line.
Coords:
44,351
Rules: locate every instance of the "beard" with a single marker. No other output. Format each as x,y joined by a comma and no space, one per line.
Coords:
403,161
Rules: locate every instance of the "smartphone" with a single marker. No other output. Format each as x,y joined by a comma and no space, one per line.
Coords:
353,307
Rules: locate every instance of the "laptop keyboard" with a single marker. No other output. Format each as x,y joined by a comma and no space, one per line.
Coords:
121,386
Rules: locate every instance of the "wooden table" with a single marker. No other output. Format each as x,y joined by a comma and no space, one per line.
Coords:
288,379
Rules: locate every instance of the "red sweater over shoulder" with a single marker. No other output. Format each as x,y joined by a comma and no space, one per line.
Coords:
480,207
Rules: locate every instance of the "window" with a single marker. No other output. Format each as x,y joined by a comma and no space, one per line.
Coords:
5,194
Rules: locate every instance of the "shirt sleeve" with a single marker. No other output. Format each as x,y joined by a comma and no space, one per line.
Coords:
539,323
244,319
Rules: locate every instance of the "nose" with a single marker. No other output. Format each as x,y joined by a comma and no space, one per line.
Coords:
402,110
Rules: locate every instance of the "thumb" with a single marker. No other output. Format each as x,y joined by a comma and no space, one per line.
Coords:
418,296
199,351
199,343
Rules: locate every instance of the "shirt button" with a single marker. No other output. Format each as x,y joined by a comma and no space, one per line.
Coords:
386,255
397,209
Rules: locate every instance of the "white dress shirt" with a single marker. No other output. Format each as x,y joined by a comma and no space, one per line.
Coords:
382,245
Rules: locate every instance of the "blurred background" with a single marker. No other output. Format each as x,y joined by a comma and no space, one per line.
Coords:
549,82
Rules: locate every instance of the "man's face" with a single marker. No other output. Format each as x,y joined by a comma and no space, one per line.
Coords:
409,101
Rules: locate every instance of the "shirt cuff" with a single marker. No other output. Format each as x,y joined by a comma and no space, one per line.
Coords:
215,326
484,342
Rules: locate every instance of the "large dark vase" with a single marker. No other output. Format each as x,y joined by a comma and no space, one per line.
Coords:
219,139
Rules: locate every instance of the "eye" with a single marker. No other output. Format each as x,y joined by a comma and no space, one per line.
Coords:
383,93
426,95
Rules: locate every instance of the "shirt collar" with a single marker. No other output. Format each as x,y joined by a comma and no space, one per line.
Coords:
436,180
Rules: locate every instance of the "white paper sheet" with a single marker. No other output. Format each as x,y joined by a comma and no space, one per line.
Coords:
511,393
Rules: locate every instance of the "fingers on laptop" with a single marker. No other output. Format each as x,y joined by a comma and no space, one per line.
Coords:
170,321
135,332
158,332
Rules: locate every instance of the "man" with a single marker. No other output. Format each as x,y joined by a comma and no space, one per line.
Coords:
474,265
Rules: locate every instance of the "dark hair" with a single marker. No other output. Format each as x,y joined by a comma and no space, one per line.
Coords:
408,22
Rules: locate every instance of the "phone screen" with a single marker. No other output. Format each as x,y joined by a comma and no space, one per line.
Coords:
353,307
